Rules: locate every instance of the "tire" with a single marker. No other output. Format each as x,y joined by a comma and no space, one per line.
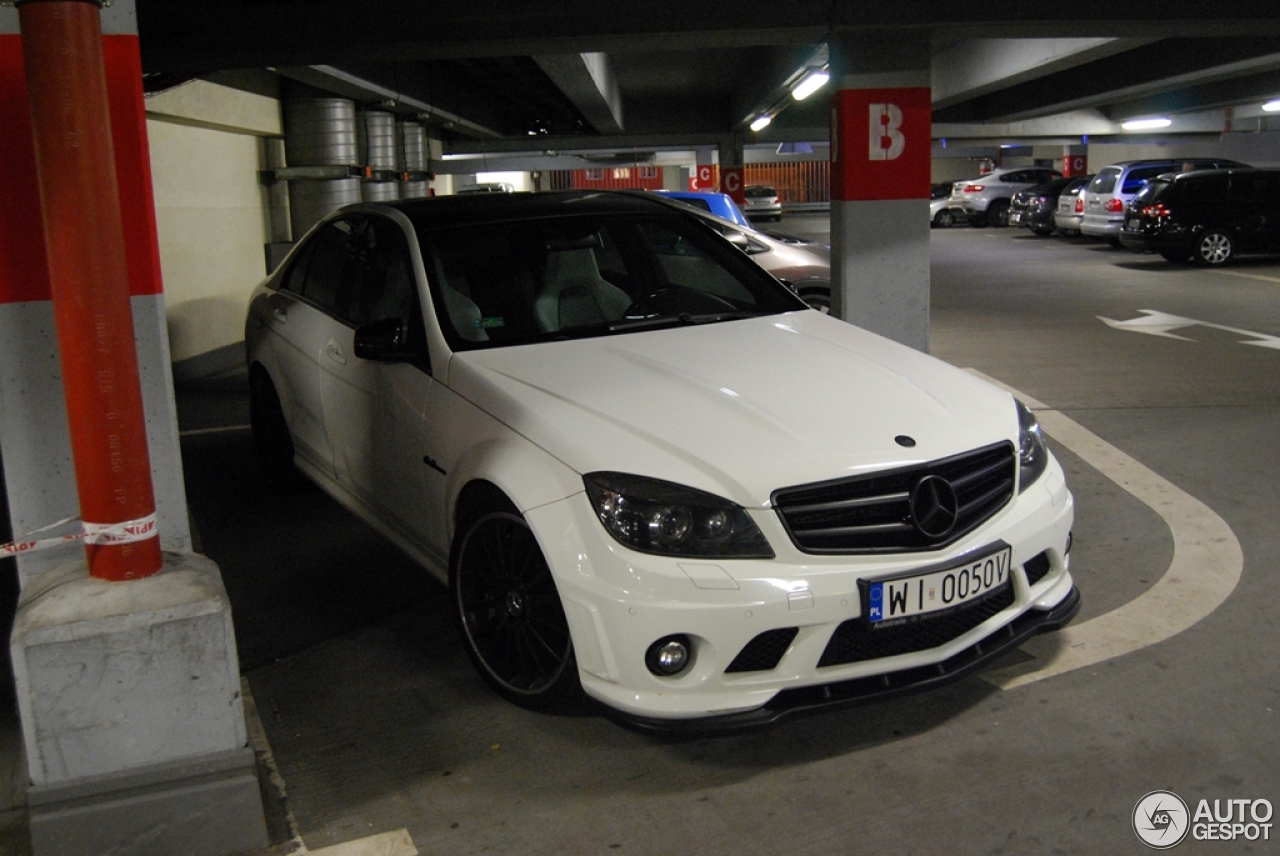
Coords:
818,298
944,219
1214,248
508,611
1041,231
998,213
272,443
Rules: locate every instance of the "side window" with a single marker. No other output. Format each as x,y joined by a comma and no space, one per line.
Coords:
1263,187
326,274
381,278
295,277
1210,189
1014,177
1138,177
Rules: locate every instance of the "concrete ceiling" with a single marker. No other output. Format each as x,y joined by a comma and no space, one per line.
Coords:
515,75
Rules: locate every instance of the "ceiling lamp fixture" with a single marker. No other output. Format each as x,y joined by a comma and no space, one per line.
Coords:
761,122
1272,106
811,83
1146,124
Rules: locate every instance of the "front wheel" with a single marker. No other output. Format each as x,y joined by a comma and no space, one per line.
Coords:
1215,248
818,298
509,613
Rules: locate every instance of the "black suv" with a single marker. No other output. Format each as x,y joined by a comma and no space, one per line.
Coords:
1209,216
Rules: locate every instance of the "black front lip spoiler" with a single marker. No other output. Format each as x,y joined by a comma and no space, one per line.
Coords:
845,694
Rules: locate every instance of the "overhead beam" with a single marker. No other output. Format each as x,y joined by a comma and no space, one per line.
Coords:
588,81
972,68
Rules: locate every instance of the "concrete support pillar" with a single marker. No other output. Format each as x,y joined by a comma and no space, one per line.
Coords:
732,177
128,692
705,170
880,152
1075,161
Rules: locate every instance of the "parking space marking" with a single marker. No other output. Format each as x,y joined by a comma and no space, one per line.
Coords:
1206,566
397,843
1248,275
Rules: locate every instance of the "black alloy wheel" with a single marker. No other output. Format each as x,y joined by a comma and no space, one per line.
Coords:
944,219
998,213
1215,248
509,613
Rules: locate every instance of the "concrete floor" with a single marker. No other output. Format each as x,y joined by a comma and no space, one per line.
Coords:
377,723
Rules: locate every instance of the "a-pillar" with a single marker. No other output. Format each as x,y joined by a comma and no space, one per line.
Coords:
128,692
880,151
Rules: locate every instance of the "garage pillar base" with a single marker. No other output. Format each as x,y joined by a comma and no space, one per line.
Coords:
132,719
206,806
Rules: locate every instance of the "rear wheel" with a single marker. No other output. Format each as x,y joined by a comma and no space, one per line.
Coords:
944,219
271,440
1214,248
508,611
998,213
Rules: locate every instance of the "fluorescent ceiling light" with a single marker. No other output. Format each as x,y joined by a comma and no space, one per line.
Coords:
1146,124
761,122
1272,106
812,82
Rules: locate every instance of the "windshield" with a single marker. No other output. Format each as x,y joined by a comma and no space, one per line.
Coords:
516,282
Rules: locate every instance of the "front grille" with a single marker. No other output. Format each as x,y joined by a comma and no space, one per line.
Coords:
857,640
764,652
872,513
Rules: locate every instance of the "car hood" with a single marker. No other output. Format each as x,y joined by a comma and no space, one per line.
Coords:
738,408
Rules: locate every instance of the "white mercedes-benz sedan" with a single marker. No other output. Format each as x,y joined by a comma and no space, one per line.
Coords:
645,469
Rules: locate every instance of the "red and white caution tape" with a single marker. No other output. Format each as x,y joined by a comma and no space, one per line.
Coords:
125,532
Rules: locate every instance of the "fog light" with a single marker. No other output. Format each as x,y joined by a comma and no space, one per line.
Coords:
668,656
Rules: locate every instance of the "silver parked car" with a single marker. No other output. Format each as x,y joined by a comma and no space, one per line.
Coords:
985,200
763,201
1066,219
1114,187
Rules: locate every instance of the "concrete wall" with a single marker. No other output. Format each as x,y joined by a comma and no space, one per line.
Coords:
212,215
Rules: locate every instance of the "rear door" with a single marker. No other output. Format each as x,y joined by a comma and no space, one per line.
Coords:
300,321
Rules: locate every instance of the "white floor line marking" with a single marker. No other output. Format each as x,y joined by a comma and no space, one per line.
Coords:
1248,275
1206,566
222,429
397,843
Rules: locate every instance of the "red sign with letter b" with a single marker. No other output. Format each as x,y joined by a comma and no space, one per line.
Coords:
880,146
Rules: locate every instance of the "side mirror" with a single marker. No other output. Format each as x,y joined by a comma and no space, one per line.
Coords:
384,341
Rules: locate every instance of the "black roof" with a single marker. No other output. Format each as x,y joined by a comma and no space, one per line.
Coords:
468,209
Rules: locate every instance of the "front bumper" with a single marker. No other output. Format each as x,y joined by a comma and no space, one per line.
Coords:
619,602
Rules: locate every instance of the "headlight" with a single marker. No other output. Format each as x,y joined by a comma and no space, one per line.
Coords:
659,517
1033,455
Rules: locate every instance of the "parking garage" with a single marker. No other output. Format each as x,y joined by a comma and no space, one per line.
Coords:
1153,382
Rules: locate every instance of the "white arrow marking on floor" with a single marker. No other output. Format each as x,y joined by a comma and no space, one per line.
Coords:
1206,566
1155,323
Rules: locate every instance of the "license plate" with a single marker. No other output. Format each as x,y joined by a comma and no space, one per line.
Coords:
928,595
1014,218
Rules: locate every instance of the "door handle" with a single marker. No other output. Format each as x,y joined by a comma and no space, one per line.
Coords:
279,313
334,350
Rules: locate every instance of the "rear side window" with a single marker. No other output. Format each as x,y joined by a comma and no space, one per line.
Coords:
1256,187
1105,181
1139,176
1208,189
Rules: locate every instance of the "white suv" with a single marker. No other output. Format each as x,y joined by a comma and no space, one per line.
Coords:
985,200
